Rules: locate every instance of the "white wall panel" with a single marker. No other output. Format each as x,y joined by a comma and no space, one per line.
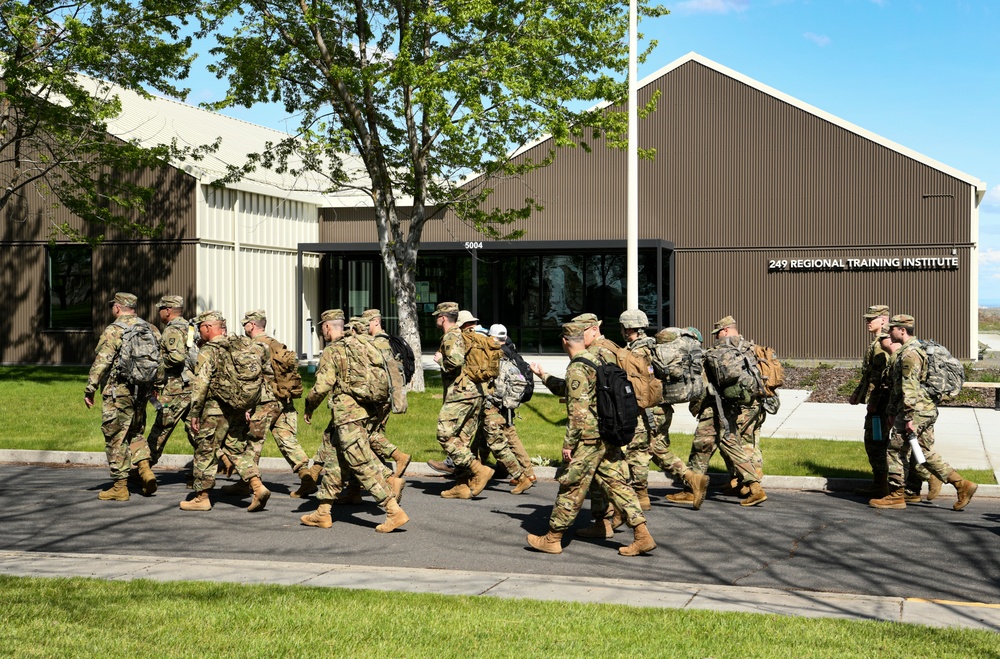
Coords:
311,303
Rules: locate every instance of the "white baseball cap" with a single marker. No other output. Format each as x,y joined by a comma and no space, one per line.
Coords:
499,331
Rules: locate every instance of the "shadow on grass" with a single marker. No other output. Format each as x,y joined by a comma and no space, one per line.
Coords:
44,374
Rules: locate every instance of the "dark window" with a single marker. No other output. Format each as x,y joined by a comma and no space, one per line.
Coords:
70,288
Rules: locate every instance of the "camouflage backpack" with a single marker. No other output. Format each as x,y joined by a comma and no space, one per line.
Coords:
396,370
364,377
138,360
732,368
287,380
945,374
482,356
239,372
678,361
511,385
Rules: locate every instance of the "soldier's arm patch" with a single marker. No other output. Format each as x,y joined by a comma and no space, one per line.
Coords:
575,385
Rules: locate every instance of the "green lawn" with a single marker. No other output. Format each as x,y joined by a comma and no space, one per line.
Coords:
42,408
70,618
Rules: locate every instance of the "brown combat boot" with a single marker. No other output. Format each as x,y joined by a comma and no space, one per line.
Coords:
402,461
440,466
199,502
911,497
237,489
642,492
601,528
683,497
260,495
117,492
147,477
350,495
320,518
396,484
933,487
527,473
522,484
895,500
698,483
481,475
964,488
226,465
642,543
307,482
394,517
756,495
550,543
460,491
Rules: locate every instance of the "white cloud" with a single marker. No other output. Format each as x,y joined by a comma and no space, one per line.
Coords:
818,39
712,6
991,202
989,257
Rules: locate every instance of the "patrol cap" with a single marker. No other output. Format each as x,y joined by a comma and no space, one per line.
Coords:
358,324
465,317
876,310
588,319
499,331
901,320
633,319
445,307
212,316
332,314
722,324
124,299
254,316
369,314
170,302
574,329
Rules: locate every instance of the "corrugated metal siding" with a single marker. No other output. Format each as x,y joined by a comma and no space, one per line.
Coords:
261,220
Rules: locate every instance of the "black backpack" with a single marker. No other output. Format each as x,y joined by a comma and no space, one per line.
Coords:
511,353
404,353
617,408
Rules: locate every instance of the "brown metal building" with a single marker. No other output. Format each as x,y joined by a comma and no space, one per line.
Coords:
756,205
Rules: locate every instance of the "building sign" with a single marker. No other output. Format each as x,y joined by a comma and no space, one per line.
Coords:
878,263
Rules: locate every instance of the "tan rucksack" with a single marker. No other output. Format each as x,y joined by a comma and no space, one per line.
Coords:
772,373
639,370
482,356
287,380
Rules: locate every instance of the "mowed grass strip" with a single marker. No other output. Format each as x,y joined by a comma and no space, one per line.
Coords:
70,618
41,408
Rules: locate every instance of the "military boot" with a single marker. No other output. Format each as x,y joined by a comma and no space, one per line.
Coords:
683,497
601,528
226,465
895,500
698,484
147,477
199,502
401,460
642,543
117,492
350,495
964,488
522,484
394,517
911,497
460,491
260,495
755,496
320,518
550,543
309,482
238,489
396,484
443,467
642,492
732,488
481,475
933,487
527,473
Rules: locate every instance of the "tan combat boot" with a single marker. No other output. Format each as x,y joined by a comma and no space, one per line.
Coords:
308,482
550,543
117,492
396,484
756,495
147,477
226,465
684,497
895,500
460,491
402,461
394,517
642,492
320,518
199,502
237,489
522,484
964,488
642,543
933,487
911,497
350,495
698,484
601,528
528,473
481,475
260,495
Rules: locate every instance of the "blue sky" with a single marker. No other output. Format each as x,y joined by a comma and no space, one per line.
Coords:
924,74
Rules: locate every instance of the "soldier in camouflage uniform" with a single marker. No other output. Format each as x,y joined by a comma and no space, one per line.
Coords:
218,427
868,391
173,397
123,406
386,450
912,413
345,439
461,410
588,457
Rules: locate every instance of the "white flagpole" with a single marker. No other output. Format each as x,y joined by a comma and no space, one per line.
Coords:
632,241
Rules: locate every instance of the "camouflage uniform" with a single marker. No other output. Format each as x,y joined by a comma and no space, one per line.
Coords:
277,415
593,460
462,408
123,407
381,446
346,436
174,396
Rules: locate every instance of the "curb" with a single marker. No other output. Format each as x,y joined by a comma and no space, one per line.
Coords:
171,461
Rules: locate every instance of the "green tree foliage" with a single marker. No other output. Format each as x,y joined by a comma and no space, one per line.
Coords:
432,96
58,62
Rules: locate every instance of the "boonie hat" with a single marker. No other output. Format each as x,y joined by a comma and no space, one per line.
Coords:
465,317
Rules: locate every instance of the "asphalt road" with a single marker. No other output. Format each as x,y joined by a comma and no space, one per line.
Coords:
815,541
